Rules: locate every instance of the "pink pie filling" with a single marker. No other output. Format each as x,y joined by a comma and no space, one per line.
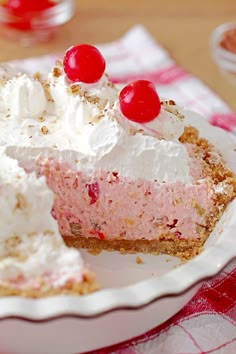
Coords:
109,206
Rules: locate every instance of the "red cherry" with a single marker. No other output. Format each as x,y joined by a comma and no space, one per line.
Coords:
84,63
93,192
21,7
24,11
139,101
98,233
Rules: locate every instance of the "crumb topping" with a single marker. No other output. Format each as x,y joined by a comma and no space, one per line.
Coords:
168,103
74,90
56,72
36,76
44,130
21,202
170,106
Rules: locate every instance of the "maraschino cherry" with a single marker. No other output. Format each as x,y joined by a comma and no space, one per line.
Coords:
25,10
139,101
24,6
84,63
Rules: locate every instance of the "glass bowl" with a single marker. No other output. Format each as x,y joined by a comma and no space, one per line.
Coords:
223,50
38,26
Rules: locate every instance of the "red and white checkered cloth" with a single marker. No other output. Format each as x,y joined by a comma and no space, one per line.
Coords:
207,324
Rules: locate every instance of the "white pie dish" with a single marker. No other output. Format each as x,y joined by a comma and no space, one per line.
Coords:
136,297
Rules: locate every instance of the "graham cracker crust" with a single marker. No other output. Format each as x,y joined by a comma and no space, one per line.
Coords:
166,244
87,286
215,168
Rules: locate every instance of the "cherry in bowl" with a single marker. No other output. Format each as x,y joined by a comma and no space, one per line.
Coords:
30,22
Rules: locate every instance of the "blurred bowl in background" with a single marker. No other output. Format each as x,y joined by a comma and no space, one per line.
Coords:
31,26
223,50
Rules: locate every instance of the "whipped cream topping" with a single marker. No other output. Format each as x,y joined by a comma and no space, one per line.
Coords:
84,122
166,125
31,245
24,97
111,148
78,104
7,72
